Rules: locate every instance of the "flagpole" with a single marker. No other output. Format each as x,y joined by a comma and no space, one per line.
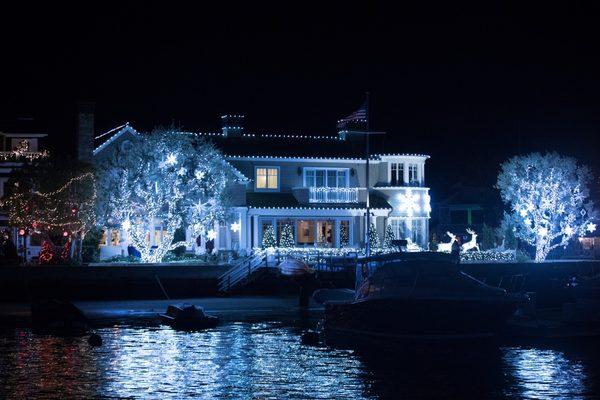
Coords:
367,216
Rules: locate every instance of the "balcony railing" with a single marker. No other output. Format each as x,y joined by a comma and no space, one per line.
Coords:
332,195
20,155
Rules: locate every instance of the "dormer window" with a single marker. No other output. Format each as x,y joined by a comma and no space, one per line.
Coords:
267,178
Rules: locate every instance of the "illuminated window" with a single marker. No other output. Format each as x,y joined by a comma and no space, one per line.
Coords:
157,236
413,173
398,227
103,238
326,177
115,237
267,178
306,232
397,174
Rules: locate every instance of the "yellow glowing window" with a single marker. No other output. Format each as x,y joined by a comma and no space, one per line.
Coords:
115,237
103,239
267,178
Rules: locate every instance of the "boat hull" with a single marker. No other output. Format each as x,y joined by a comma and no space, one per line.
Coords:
413,319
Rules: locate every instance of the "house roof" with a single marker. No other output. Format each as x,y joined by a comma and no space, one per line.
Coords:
287,200
104,139
295,145
282,145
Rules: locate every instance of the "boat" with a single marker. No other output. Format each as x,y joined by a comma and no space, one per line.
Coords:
578,317
187,316
294,268
418,297
323,296
58,318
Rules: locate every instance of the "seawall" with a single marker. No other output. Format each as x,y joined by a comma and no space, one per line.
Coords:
109,282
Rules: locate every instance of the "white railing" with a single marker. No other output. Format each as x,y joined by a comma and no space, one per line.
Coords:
332,195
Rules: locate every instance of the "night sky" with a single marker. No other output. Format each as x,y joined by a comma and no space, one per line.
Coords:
470,91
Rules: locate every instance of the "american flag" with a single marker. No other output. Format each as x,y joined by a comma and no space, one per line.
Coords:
358,116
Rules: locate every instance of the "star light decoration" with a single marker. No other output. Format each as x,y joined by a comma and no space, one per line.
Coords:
235,227
591,227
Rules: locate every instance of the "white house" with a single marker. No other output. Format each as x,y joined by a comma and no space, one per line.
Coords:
315,183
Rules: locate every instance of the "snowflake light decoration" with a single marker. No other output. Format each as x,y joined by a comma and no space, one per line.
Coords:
235,227
199,175
409,202
212,235
591,227
171,159
426,203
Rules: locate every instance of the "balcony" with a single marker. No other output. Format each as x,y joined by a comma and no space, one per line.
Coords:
332,195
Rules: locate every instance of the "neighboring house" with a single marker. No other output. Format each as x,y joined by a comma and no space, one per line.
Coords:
467,207
315,183
17,146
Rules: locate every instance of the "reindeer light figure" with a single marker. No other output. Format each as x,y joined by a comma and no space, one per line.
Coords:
447,247
471,244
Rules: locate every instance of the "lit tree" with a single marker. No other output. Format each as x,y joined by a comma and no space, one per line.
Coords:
287,236
53,198
373,236
388,237
47,253
268,239
548,199
170,178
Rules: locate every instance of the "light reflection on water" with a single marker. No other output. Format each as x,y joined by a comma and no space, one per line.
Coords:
265,360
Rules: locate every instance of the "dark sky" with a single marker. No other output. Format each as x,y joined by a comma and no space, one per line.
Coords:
468,90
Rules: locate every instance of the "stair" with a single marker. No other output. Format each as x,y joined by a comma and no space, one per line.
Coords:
241,273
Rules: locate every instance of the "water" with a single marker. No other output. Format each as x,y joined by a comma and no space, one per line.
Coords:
265,360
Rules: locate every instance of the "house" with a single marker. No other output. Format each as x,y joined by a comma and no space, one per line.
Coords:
467,207
20,143
314,183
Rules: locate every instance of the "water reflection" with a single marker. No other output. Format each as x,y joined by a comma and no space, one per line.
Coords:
266,360
549,373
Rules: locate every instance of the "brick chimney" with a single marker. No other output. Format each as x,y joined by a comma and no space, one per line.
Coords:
85,132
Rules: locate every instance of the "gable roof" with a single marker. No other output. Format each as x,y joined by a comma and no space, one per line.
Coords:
103,140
